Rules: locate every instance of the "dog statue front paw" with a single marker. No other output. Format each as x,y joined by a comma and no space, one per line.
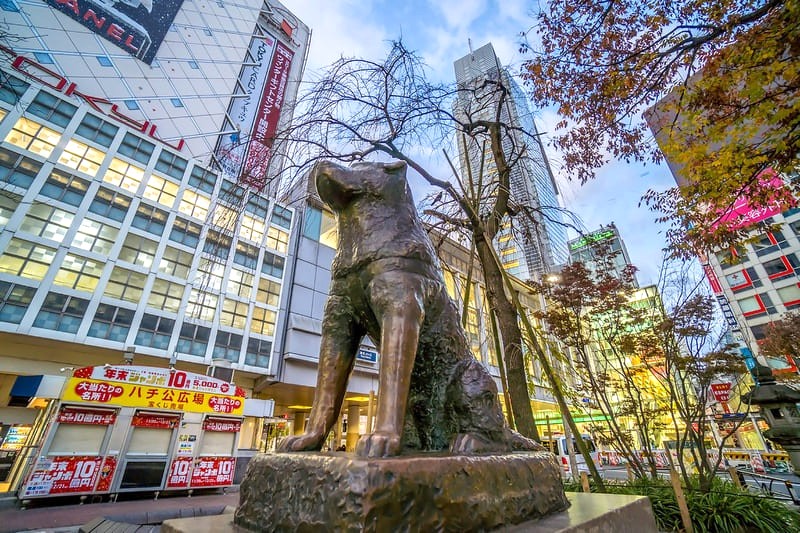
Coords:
307,442
378,444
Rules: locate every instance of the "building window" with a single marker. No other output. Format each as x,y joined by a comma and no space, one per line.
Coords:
246,255
124,175
138,250
175,263
49,107
79,273
193,339
201,305
165,295
155,332
320,226
240,283
252,228
150,219
95,237
194,205
161,190
61,313
8,204
258,352
185,232
273,265
234,314
781,267
46,221
263,322
14,301
34,137
97,130
82,157
126,285
43,58
202,179
231,193
268,292
790,296
136,148
731,256
110,204
11,88
104,61
258,205
769,242
281,217
217,244
9,5
176,102
224,217
65,188
171,164
227,346
16,169
277,240
207,31
111,322
131,104
210,275
193,65
26,259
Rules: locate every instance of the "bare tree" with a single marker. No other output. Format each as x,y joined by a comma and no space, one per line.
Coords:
361,108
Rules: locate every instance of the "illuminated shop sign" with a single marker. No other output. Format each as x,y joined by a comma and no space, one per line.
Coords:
39,73
136,26
591,239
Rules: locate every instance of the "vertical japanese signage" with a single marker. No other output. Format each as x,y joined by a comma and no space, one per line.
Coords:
245,154
136,26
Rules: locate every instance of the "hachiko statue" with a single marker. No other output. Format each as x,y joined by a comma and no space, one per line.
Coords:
387,283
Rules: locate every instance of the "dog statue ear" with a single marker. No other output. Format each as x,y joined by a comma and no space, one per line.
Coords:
394,166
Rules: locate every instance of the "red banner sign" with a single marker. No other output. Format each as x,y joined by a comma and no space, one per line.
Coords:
721,391
180,473
64,475
106,474
157,421
75,415
222,424
213,471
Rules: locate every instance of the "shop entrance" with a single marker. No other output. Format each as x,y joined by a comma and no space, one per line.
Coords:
148,450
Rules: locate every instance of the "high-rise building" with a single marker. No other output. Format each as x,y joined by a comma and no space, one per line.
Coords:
535,245
606,241
136,222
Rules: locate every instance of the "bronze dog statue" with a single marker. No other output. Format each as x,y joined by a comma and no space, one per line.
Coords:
387,283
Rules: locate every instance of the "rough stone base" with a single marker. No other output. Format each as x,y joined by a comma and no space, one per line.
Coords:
589,513
341,492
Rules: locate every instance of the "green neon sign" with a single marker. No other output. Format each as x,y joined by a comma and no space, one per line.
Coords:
592,238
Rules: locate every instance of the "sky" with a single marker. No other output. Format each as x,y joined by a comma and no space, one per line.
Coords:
440,31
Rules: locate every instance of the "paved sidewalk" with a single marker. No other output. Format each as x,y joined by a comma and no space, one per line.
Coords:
66,518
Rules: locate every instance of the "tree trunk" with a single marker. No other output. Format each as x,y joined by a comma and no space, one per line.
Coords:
511,335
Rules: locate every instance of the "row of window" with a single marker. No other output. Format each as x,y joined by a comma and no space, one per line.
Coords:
764,244
760,304
40,139
781,267
65,313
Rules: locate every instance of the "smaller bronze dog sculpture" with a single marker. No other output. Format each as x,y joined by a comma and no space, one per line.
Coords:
387,283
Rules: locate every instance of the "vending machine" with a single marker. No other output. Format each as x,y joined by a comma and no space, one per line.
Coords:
135,428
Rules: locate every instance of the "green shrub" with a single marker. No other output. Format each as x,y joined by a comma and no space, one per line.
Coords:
724,509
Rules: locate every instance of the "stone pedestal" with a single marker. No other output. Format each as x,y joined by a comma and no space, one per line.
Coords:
341,492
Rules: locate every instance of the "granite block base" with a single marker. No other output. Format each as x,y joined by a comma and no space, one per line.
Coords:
341,492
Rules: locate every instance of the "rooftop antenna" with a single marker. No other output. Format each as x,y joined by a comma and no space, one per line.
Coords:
469,43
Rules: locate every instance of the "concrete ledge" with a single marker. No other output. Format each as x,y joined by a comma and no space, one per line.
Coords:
589,513
596,513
